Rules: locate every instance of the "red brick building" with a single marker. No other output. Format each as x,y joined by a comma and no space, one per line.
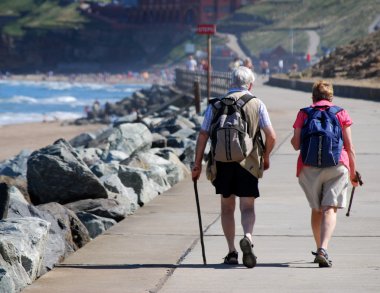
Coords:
187,12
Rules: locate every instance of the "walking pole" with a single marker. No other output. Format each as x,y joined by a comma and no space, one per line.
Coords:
200,222
359,179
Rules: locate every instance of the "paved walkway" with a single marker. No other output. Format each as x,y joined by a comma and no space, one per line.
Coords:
233,44
158,250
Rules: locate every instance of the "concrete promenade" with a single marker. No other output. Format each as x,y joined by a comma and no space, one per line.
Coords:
158,250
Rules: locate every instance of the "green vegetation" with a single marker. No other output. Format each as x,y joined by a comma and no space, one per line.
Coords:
336,21
260,27
16,7
39,14
259,41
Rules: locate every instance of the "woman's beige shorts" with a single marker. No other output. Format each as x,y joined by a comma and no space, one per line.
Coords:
325,186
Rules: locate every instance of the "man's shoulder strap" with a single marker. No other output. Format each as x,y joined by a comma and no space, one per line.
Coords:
243,100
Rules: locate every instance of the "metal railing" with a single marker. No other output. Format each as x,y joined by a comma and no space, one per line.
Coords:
220,81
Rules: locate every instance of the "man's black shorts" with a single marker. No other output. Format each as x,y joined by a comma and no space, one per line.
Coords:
231,178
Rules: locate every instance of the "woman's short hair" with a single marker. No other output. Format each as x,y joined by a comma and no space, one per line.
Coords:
322,90
242,77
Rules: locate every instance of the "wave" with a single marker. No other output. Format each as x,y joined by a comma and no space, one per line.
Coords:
63,85
20,100
17,118
59,100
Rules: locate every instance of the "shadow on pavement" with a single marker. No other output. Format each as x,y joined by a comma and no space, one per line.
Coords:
220,266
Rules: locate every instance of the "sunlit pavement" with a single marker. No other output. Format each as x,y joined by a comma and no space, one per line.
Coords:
158,249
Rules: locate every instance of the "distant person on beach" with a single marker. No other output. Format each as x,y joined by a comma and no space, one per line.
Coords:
237,178
324,179
191,63
95,109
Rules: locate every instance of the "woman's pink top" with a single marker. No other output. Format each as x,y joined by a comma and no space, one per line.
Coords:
344,120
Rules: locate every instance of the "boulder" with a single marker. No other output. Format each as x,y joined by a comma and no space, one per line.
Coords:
22,246
138,180
57,174
66,232
102,207
6,283
82,140
4,200
175,169
102,169
15,166
66,235
128,138
90,156
126,196
95,225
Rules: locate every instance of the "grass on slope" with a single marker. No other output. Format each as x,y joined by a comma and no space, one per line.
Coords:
16,7
336,21
39,14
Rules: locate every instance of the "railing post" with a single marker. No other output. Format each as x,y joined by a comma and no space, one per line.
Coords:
197,95
208,68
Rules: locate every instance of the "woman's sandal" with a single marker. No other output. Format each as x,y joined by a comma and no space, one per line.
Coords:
322,258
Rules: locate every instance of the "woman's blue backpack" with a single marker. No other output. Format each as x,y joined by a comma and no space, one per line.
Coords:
321,137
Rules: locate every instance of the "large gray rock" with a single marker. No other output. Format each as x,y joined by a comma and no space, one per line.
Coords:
6,283
4,200
57,174
82,139
15,166
128,138
126,196
138,179
175,169
103,169
95,225
91,156
66,232
22,246
102,207
66,235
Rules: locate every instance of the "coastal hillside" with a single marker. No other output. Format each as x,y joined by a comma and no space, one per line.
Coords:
269,24
60,35
360,59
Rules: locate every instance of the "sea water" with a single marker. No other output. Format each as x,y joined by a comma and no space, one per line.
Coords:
30,101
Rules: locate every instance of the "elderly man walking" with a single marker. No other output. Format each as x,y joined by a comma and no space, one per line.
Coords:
237,157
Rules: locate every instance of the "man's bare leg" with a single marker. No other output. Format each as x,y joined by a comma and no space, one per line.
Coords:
248,216
228,220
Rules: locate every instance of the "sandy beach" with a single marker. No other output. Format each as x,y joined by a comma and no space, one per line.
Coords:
32,136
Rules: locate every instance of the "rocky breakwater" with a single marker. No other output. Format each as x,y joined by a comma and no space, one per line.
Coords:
358,60
56,199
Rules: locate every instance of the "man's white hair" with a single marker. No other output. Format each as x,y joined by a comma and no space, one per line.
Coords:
242,77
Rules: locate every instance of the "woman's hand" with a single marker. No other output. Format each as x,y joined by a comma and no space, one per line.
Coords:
354,179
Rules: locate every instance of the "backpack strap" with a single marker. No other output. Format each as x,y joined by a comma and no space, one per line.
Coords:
244,100
332,109
335,109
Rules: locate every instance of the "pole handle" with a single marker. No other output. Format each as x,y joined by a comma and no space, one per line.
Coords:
358,179
200,222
